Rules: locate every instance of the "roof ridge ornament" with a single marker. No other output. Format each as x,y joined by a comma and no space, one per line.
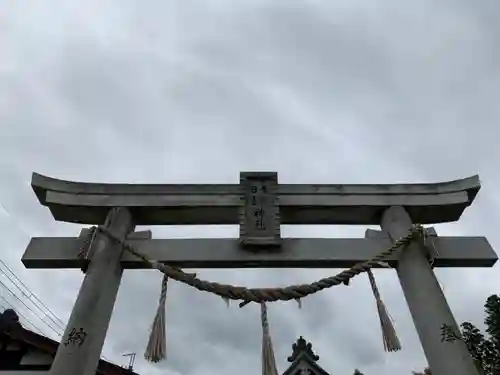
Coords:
302,347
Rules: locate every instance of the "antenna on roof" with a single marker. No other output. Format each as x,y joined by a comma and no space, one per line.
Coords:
131,361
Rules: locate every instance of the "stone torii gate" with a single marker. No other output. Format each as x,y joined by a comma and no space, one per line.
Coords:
259,205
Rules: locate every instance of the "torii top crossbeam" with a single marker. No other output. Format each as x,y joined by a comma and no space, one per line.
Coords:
203,204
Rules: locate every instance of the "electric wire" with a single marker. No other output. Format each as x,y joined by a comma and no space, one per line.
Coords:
19,313
31,295
29,308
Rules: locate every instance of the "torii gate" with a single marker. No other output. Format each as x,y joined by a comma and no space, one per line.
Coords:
259,205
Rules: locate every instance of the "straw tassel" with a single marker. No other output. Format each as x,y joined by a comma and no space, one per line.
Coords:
389,336
156,349
268,360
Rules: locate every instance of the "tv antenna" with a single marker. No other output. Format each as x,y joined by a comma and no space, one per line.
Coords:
131,360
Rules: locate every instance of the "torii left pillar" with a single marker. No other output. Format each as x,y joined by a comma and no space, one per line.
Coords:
80,348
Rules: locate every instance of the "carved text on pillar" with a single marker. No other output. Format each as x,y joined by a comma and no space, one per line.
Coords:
76,337
449,334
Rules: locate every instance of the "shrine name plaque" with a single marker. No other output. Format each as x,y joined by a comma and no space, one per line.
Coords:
259,215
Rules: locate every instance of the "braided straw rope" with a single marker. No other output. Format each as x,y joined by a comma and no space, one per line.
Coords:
389,336
268,358
156,349
84,252
259,295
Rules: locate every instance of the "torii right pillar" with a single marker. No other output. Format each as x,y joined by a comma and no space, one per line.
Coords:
439,333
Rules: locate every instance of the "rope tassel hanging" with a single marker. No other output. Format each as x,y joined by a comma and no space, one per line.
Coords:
268,360
389,336
156,349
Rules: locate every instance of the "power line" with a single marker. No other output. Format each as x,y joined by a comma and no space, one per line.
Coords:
19,313
46,311
29,308
59,333
27,293
53,317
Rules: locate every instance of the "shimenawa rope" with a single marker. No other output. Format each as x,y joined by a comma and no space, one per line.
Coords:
268,359
268,294
389,336
156,349
156,345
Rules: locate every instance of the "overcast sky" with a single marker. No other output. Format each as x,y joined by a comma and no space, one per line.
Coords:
196,91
